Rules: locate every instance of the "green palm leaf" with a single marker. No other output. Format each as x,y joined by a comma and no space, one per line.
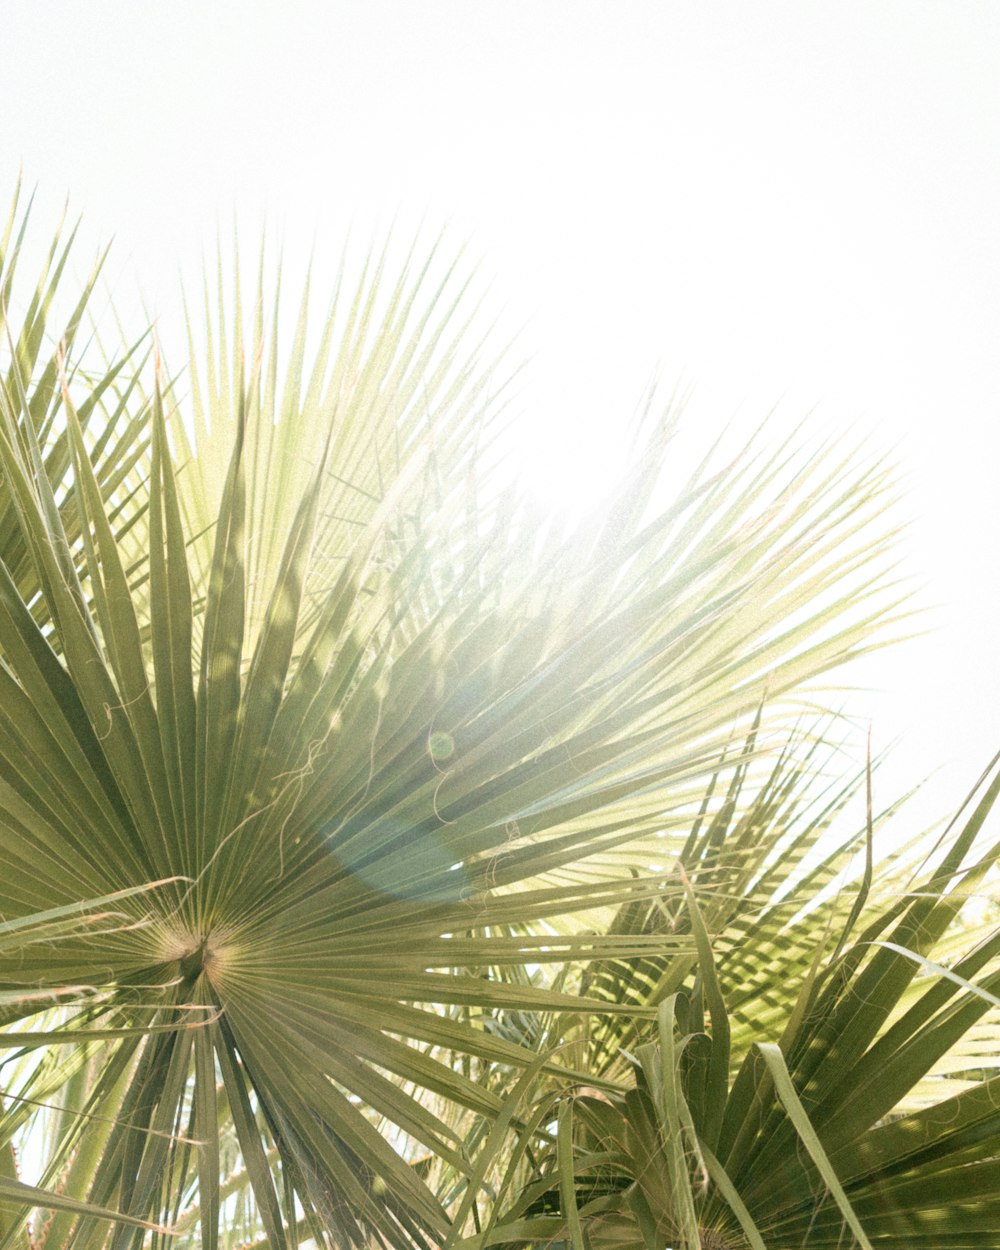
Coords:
385,735
814,1146
42,359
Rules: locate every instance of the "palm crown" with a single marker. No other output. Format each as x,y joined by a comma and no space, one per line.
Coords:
330,785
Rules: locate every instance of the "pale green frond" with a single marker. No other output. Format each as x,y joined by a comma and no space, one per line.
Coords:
44,358
396,754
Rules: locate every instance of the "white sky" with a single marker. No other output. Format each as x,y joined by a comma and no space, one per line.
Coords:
793,202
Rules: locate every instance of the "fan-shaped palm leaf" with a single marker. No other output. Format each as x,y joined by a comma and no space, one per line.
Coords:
385,720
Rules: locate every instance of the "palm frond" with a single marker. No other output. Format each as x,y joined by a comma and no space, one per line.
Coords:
807,1143
45,353
384,734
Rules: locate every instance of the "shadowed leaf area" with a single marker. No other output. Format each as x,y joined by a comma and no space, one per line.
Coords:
385,864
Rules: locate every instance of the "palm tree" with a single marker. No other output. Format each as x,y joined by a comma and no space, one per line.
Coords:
417,812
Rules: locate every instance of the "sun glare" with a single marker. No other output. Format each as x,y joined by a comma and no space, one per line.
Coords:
569,463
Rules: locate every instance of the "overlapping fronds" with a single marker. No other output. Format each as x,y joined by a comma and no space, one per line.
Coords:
796,1136
387,741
